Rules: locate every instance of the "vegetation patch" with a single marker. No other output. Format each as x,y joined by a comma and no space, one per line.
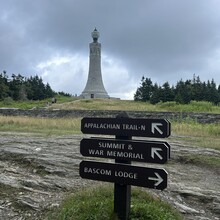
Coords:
72,103
202,160
198,129
30,104
25,163
196,134
128,105
7,191
193,106
105,104
183,92
97,204
47,126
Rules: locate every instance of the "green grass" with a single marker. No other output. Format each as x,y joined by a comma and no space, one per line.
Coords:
199,135
9,103
196,134
29,104
203,135
71,103
106,104
196,129
46,126
194,106
97,204
203,160
126,105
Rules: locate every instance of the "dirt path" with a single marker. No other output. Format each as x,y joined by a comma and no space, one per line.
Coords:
36,172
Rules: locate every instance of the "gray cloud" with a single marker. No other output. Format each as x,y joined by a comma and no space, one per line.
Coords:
165,40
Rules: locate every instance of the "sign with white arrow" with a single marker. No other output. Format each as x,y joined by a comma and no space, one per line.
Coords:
159,128
124,174
129,150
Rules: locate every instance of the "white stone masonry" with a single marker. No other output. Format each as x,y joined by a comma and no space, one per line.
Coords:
94,86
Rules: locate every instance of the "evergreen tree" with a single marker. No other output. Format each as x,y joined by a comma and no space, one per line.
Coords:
144,92
183,93
4,88
197,89
21,88
203,91
212,93
36,90
219,90
65,94
156,95
48,91
15,86
167,93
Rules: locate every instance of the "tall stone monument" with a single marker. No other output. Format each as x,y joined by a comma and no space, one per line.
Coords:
94,86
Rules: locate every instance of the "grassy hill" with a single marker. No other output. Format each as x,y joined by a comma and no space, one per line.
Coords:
71,103
130,105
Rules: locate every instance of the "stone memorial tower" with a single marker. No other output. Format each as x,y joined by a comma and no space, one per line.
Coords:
94,86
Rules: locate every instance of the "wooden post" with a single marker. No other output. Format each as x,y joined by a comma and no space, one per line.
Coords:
122,193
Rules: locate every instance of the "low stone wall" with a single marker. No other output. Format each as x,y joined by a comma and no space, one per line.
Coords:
199,117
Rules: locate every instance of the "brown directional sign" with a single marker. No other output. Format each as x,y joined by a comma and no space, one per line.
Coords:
143,151
159,128
124,174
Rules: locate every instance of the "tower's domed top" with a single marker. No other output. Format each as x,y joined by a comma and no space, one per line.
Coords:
95,35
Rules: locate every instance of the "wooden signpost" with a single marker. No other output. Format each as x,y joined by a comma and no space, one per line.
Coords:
142,151
158,128
124,174
124,150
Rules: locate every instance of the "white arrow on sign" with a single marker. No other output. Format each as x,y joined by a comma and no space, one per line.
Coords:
155,127
154,151
158,179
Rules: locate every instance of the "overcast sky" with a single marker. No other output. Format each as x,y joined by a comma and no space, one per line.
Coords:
164,40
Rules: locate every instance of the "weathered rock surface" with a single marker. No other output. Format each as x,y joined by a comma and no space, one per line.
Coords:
37,172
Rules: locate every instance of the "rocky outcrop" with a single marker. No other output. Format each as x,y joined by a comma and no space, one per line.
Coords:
37,172
56,113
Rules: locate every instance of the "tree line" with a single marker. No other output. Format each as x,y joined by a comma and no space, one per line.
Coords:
183,92
19,87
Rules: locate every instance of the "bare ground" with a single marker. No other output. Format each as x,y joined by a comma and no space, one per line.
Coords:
37,172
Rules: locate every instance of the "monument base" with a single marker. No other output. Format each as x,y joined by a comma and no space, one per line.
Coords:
87,95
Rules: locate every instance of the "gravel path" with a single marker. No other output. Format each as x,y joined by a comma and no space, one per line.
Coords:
37,172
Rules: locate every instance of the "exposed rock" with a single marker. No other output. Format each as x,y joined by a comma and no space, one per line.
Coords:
185,209
37,172
26,202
